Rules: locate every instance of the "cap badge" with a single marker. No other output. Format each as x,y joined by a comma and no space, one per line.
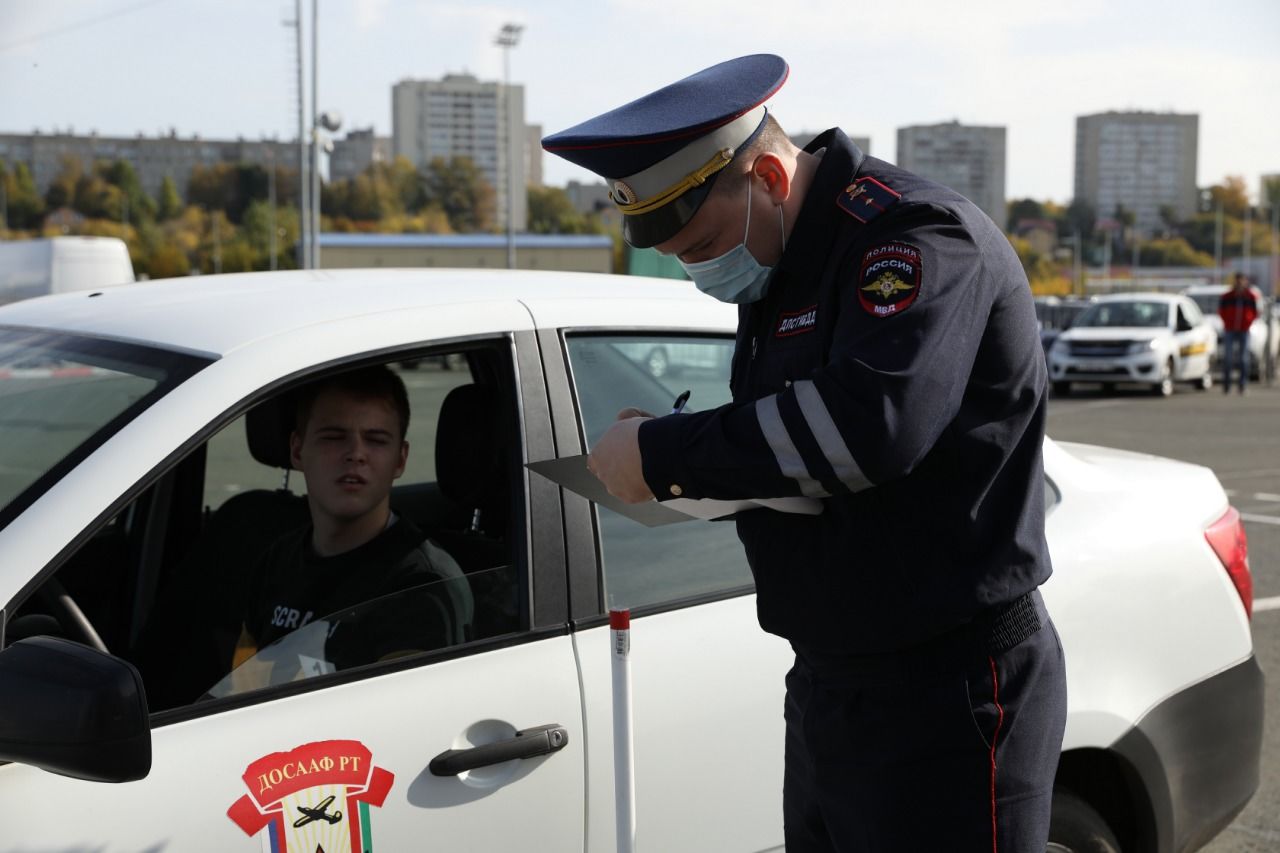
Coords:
623,194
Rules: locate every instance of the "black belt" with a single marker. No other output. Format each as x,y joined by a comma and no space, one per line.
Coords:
993,631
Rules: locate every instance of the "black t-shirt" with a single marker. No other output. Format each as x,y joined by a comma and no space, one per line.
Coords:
396,592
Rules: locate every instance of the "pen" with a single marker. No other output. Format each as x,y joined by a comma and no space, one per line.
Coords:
678,406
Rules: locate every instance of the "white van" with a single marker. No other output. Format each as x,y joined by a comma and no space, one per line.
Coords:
30,268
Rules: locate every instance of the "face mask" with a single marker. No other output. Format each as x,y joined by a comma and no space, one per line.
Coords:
736,276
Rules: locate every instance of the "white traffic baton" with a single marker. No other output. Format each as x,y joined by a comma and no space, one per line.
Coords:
623,750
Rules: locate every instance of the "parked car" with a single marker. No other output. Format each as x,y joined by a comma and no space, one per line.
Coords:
1206,296
1151,339
30,268
149,455
1056,314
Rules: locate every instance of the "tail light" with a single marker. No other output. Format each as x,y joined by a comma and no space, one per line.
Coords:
1227,538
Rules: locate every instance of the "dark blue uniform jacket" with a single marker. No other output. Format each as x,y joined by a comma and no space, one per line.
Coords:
894,371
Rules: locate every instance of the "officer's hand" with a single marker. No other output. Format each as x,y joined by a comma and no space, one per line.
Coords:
633,412
615,460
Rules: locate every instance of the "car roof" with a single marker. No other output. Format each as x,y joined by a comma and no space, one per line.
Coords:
216,314
1140,297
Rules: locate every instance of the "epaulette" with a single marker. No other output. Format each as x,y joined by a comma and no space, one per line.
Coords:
866,198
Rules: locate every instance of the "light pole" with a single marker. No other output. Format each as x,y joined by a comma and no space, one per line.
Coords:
330,122
304,184
507,38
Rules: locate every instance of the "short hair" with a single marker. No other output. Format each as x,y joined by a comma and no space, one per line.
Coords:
771,139
366,383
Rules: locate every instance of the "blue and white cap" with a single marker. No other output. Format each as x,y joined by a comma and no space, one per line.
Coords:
661,153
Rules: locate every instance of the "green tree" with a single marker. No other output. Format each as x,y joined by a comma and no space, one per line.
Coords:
24,206
141,207
62,189
228,187
170,204
168,261
551,212
1024,208
459,188
1080,217
1271,191
255,230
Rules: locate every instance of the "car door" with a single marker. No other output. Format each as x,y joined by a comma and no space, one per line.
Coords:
472,745
1195,339
707,681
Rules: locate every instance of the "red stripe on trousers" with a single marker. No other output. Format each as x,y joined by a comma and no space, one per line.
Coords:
995,697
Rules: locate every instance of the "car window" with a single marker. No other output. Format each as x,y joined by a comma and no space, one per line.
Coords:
62,396
659,565
1150,314
418,619
1194,317
231,468
176,579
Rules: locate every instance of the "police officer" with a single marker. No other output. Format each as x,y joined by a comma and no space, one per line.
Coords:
887,363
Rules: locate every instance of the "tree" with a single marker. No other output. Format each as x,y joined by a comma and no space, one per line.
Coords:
170,202
1231,195
1024,208
551,212
120,174
1175,252
460,189
1081,217
1271,191
168,261
62,189
24,207
228,187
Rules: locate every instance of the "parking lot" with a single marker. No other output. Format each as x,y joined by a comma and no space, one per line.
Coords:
1236,437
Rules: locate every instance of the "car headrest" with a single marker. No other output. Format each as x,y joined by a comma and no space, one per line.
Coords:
469,445
267,426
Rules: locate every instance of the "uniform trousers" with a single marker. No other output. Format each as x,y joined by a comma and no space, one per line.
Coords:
952,747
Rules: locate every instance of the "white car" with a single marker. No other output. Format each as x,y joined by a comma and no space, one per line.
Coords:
1206,298
1151,339
138,476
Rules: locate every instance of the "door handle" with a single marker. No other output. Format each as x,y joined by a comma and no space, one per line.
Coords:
528,743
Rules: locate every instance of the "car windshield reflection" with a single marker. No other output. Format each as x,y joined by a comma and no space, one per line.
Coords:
412,621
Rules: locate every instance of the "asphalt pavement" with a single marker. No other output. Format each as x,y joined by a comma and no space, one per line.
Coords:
1239,438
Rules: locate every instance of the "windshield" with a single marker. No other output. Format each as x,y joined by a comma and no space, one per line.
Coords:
62,396
1128,314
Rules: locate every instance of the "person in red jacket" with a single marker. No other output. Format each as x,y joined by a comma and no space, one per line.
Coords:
1238,308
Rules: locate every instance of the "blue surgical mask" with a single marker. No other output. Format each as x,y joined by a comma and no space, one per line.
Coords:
736,276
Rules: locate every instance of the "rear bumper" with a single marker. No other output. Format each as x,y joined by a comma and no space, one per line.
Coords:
1198,755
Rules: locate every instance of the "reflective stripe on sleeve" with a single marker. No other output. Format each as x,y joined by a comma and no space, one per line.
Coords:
828,436
789,461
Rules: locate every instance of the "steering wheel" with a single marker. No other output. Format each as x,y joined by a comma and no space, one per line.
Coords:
70,616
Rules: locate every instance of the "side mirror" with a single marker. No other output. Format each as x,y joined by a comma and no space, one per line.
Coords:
73,710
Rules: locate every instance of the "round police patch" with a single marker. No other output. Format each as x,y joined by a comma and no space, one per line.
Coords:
889,279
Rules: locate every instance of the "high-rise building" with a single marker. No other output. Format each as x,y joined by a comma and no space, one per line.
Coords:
357,152
533,154
153,158
1137,162
967,158
460,116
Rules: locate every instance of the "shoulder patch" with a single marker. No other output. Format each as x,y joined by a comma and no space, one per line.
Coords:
889,279
796,322
866,198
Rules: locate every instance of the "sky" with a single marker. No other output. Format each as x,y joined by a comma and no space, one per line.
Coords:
226,68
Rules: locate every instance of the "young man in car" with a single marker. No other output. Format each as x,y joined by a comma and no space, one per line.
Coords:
1238,308
888,364
349,443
